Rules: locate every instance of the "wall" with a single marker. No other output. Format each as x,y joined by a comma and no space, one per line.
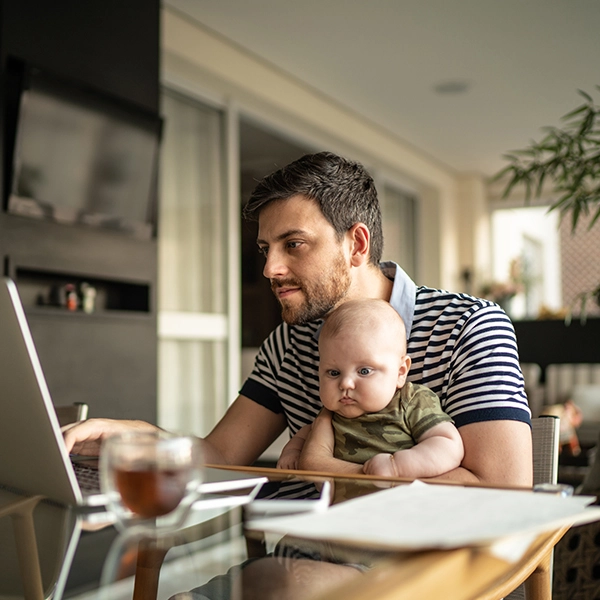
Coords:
580,255
107,359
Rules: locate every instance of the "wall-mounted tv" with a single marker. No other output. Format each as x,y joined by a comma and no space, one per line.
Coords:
82,157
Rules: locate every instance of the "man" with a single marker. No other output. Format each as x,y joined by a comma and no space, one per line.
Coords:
320,231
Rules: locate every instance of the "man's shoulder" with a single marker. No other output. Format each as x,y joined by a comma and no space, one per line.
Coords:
442,298
447,313
433,304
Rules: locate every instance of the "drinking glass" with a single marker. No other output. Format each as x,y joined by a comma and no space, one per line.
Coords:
151,479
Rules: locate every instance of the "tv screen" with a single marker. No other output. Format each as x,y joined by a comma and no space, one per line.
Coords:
81,157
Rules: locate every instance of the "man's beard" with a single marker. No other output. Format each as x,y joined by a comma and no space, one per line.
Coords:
319,297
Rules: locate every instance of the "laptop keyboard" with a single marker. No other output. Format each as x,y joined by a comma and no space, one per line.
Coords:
88,476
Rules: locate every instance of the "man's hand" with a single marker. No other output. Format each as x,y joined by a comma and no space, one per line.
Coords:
85,437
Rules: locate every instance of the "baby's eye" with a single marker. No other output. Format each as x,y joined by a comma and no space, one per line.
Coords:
333,373
364,371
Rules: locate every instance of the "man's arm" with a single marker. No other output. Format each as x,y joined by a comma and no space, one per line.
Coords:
239,438
496,453
246,430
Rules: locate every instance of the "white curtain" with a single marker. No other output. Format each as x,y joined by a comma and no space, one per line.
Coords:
192,246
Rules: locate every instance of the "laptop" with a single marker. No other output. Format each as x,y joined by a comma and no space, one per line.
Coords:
33,456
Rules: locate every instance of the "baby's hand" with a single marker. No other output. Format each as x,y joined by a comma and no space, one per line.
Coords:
381,464
288,459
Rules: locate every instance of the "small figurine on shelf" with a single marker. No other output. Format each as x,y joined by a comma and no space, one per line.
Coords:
88,297
72,300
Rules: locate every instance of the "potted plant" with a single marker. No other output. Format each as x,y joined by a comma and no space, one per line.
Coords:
568,160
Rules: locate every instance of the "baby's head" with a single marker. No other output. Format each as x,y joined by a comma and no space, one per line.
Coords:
363,360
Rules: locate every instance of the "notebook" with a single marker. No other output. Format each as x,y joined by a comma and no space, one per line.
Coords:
33,456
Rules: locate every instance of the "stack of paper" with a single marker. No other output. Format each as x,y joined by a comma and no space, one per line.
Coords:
425,516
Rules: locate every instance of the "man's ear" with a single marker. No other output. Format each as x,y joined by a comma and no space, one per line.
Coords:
403,370
360,244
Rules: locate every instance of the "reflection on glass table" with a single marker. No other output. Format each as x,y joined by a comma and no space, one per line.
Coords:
37,542
250,564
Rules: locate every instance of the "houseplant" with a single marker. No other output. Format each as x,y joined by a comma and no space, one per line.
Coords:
567,160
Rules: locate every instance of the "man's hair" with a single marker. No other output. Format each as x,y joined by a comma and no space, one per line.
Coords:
343,189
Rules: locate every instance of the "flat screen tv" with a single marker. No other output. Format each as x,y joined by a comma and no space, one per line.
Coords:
81,157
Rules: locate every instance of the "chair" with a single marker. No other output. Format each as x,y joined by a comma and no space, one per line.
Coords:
21,512
534,578
577,555
71,413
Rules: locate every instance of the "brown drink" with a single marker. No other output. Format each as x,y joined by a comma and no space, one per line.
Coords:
149,492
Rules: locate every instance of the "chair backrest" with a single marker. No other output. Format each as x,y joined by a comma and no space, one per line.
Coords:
71,413
545,432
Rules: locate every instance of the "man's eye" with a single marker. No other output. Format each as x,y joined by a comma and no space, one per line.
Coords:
293,245
263,250
364,371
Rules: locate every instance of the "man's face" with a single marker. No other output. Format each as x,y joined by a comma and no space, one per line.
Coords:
307,266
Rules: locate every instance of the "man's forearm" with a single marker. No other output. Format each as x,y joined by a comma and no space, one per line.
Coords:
458,475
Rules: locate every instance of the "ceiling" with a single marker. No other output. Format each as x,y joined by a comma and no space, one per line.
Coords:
521,61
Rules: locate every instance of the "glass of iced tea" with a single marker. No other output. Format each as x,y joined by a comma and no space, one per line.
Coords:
150,478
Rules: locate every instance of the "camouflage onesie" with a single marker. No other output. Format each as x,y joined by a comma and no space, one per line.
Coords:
413,410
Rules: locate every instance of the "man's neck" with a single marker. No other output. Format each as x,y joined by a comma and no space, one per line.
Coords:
370,282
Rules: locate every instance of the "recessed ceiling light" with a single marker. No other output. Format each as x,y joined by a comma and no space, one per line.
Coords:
455,86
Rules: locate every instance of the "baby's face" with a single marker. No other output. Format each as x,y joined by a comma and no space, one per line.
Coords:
357,378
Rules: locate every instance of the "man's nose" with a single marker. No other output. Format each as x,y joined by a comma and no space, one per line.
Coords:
275,267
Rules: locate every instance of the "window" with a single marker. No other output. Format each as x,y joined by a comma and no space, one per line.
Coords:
192,294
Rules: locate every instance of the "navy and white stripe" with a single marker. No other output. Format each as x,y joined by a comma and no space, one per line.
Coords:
463,348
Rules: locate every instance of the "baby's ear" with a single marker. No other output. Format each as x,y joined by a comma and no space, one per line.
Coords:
403,370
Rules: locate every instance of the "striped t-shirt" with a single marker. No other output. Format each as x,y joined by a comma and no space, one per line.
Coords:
463,348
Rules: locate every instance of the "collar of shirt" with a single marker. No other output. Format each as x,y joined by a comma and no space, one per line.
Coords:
403,298
404,293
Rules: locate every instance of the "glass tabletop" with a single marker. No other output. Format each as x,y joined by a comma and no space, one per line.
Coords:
252,564
219,554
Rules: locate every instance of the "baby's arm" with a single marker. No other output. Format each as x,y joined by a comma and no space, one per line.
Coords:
291,451
438,450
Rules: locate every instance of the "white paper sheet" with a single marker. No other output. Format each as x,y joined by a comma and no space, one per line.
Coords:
425,516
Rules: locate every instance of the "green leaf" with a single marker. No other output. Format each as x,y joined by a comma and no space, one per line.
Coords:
594,218
585,95
515,179
501,174
540,184
575,210
582,311
575,112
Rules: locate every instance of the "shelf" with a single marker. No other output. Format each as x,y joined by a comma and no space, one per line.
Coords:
52,293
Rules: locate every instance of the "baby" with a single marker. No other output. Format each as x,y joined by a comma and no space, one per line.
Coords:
390,426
